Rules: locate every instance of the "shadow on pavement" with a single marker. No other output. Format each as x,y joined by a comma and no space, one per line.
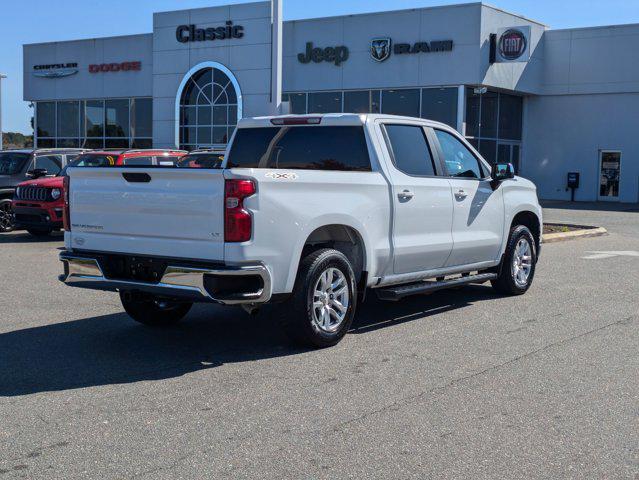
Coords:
113,349
26,237
594,206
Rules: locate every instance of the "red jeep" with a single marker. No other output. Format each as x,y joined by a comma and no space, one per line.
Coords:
38,204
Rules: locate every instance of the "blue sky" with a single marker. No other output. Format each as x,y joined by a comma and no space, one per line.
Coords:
36,21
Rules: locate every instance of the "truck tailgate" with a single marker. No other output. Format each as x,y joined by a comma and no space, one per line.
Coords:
150,211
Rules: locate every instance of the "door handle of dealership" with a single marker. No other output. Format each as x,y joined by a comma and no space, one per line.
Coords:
461,194
405,195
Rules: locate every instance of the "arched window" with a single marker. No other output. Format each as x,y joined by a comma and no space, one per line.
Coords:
209,107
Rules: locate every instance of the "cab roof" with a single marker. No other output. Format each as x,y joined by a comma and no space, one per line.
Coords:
328,119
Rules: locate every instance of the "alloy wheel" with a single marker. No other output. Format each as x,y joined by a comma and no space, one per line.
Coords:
330,300
522,262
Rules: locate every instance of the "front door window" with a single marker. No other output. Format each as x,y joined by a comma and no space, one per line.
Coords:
609,175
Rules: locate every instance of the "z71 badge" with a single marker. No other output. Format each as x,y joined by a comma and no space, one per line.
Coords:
281,176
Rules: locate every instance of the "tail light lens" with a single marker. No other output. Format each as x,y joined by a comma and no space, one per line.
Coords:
66,215
238,223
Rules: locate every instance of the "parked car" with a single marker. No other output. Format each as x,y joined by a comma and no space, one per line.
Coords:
38,204
203,158
311,211
18,165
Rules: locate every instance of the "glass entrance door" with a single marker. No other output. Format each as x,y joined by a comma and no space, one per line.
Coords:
609,175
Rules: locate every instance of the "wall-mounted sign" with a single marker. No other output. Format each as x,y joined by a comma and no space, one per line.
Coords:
513,44
55,70
190,33
116,67
381,48
336,55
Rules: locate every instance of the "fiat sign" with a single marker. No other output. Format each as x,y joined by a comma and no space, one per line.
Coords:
513,44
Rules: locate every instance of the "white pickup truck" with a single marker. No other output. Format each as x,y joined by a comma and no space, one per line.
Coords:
311,211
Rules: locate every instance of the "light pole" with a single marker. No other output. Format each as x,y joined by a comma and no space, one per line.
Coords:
1,77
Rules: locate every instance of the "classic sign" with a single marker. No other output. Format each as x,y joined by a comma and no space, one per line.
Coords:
190,33
336,55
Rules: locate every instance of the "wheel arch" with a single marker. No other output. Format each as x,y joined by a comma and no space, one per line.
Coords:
529,219
344,235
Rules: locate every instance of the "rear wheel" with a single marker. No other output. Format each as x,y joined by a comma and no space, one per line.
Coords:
40,232
154,311
518,268
6,216
322,306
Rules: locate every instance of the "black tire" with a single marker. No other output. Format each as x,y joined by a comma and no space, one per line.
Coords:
508,282
40,232
6,216
301,319
153,311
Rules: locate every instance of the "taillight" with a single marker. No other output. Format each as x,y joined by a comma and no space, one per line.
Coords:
238,223
66,214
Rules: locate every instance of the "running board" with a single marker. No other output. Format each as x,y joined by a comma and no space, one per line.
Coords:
398,292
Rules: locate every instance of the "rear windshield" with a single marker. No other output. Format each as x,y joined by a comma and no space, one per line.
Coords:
201,160
309,148
90,160
12,163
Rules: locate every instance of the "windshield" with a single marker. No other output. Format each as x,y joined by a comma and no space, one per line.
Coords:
90,160
201,160
12,163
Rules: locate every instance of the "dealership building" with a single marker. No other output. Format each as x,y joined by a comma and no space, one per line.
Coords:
555,103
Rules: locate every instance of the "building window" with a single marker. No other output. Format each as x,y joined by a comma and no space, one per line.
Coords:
361,101
113,123
440,104
494,125
208,110
401,102
324,102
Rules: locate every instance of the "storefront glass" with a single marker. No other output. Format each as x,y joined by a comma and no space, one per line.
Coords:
494,125
81,123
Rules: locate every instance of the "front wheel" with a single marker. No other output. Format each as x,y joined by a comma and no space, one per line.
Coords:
322,306
154,311
6,216
518,268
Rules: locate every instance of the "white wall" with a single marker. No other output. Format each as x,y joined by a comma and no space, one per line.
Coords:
249,58
90,85
565,133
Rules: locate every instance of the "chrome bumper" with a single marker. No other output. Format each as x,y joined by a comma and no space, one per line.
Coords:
177,281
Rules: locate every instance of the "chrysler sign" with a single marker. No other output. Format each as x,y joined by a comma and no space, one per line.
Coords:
55,70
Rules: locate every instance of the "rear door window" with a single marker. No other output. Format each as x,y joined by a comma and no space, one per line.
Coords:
296,147
410,151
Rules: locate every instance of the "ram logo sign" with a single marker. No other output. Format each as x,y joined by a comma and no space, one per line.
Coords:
380,48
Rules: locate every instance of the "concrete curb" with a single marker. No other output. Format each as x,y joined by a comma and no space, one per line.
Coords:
583,231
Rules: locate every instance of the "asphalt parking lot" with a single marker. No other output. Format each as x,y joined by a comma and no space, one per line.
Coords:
460,384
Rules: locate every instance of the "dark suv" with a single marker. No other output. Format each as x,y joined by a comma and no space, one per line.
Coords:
16,166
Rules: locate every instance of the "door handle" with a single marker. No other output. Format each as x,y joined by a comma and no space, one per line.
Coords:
405,195
461,194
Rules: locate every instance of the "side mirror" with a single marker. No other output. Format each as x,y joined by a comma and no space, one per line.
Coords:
502,171
37,173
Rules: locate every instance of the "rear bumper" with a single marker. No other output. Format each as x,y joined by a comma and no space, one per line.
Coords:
228,285
37,217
